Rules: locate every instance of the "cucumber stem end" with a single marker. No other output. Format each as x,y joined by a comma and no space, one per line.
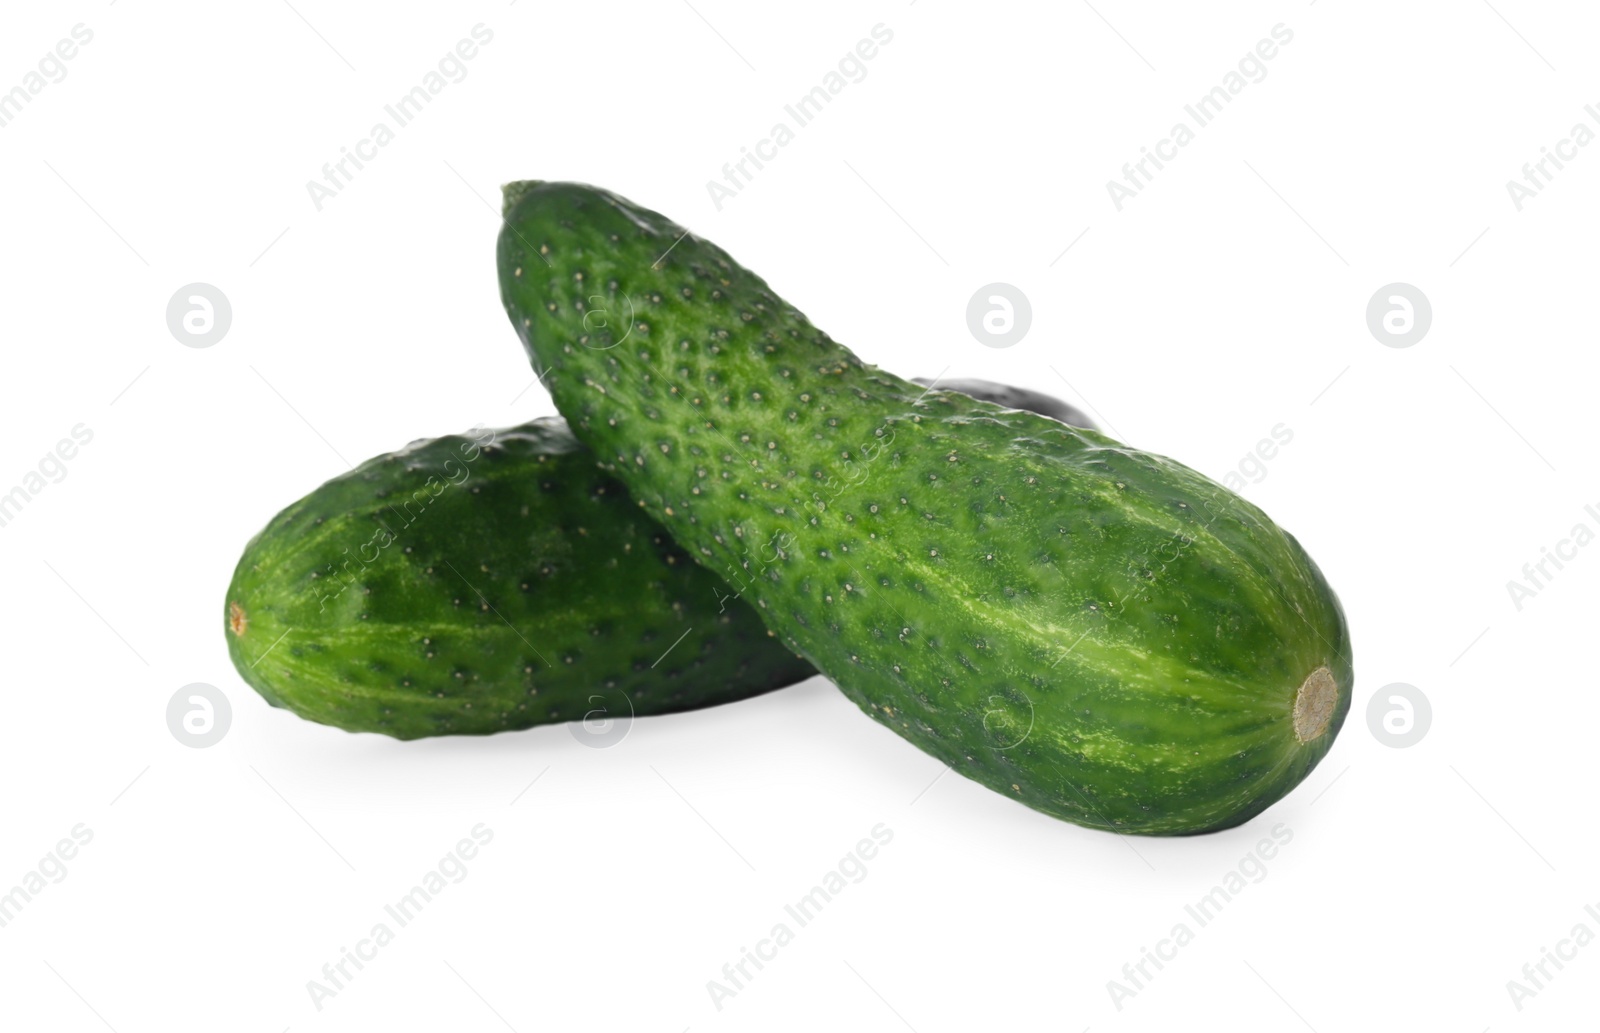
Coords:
1314,704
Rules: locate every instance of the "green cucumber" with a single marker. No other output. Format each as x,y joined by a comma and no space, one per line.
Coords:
1098,632
477,584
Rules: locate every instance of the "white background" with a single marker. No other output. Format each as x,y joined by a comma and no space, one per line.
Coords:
1225,299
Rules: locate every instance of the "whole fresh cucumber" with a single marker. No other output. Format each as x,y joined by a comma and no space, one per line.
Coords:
1098,632
475,584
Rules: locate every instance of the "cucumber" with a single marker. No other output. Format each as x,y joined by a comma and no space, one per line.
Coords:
1100,633
476,584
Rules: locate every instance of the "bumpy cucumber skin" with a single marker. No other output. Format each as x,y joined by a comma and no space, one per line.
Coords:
478,584
545,499
1098,632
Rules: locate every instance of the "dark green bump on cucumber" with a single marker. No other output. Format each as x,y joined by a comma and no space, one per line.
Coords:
1098,632
469,585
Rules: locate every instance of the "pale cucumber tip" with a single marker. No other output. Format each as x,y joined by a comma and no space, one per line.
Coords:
511,193
1315,703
